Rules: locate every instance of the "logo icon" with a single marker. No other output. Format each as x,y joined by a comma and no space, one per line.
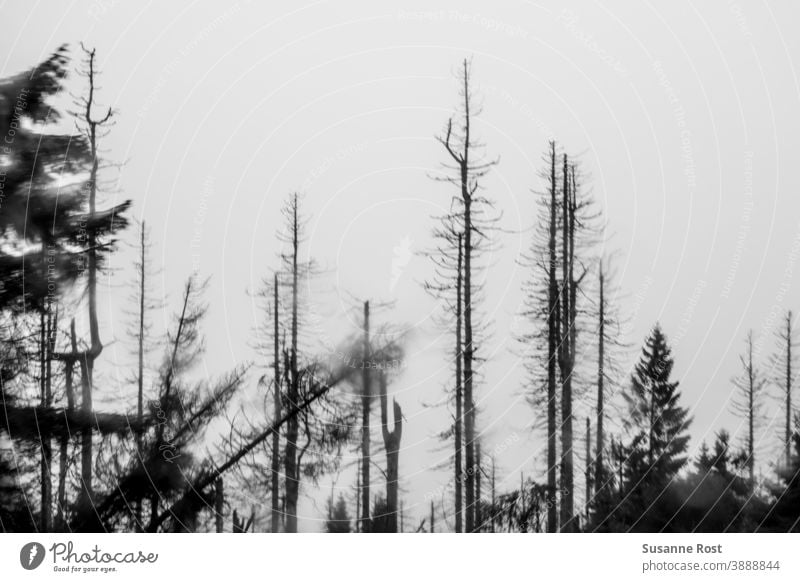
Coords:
31,555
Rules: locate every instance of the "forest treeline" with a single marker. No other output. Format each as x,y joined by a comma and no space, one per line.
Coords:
177,455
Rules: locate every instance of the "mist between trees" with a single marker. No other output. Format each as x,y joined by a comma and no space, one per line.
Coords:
611,442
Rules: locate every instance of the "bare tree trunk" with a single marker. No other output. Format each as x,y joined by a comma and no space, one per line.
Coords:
433,526
459,472
46,515
366,394
391,442
599,471
292,471
588,473
494,500
567,475
553,342
751,408
69,366
276,405
469,348
96,347
478,514
788,428
140,379
219,505
358,499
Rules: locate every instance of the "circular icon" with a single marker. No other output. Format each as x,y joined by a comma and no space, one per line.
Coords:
31,555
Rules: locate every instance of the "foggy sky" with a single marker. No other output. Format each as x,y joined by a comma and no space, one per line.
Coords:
684,116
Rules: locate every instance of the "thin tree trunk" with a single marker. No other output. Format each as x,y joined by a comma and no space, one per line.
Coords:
358,500
69,366
553,342
599,449
788,428
219,504
459,473
276,404
366,394
478,515
588,473
433,526
469,348
567,476
46,515
391,442
140,379
751,408
292,471
493,496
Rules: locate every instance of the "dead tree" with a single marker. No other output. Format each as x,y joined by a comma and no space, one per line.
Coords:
276,405
601,397
459,473
588,470
786,337
141,330
748,402
219,505
391,443
567,355
467,172
94,245
366,396
63,461
292,370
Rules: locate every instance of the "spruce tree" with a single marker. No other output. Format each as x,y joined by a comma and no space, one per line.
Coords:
655,419
657,426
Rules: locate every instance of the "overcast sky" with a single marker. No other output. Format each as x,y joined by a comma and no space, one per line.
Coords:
684,116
